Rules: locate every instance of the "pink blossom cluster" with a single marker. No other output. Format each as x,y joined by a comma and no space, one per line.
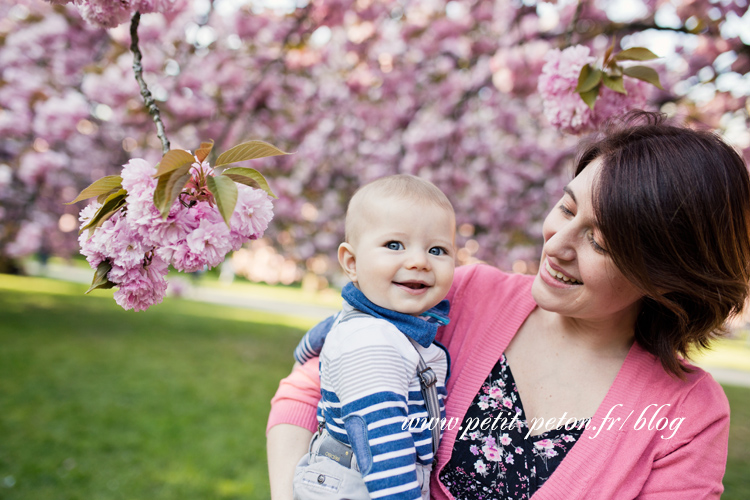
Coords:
564,107
110,13
140,244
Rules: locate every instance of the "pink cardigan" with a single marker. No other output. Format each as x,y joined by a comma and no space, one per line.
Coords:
622,459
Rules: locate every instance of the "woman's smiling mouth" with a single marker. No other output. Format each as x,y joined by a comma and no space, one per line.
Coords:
559,275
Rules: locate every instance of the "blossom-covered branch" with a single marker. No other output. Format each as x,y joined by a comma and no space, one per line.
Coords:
182,214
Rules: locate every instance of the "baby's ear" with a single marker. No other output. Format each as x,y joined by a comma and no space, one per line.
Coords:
348,261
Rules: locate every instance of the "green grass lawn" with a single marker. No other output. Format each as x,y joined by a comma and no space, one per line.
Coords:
100,403
736,480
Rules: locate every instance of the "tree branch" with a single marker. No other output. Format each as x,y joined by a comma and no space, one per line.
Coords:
148,99
572,26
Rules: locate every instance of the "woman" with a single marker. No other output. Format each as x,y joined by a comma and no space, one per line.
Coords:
644,258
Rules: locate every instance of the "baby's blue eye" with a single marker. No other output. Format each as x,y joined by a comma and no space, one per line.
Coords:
437,251
394,245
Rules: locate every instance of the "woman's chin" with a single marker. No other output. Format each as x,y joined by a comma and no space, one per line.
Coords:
550,297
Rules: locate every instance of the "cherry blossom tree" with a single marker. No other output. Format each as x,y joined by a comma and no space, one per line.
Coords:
485,98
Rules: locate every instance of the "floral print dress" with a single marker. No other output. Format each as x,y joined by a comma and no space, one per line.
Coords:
503,463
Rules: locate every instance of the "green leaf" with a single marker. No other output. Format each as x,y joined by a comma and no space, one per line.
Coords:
608,52
169,187
99,187
172,160
102,197
202,152
615,83
590,96
249,177
111,205
635,54
248,151
588,79
648,75
225,194
100,277
175,185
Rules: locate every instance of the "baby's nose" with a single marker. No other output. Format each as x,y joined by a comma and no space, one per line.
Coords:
418,259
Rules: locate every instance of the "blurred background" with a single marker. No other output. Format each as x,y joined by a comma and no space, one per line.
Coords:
96,402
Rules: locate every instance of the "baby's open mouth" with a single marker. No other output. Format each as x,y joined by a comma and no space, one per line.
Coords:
414,285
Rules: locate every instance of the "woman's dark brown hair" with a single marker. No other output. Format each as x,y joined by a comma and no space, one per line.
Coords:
673,206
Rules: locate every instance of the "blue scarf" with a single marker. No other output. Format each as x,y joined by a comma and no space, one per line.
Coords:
423,331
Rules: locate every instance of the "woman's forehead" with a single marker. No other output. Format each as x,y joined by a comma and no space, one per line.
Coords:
584,182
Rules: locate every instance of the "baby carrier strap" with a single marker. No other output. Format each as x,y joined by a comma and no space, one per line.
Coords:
428,383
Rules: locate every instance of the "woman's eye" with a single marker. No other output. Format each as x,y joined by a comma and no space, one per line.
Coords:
597,247
394,245
565,210
437,251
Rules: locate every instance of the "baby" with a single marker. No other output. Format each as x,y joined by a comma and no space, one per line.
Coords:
399,256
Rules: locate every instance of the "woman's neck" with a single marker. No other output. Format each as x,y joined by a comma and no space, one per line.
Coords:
605,337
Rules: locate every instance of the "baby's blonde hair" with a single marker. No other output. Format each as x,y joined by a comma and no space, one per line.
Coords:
399,186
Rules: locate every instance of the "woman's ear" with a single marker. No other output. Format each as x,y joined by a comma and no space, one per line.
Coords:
348,261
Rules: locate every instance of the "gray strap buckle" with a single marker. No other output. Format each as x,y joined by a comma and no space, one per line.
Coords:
428,377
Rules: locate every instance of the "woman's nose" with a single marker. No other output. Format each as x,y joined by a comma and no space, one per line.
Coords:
559,241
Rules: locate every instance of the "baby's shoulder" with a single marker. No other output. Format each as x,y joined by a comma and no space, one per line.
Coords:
365,332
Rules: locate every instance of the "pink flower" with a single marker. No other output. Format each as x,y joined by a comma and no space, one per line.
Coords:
491,453
110,13
544,444
496,393
480,467
93,243
159,5
505,439
137,178
168,234
140,287
210,239
204,246
251,216
474,449
564,107
125,247
105,13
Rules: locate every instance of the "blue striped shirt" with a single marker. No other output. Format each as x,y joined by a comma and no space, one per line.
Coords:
370,393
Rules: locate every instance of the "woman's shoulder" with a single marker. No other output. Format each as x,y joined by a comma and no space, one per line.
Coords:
697,392
700,390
